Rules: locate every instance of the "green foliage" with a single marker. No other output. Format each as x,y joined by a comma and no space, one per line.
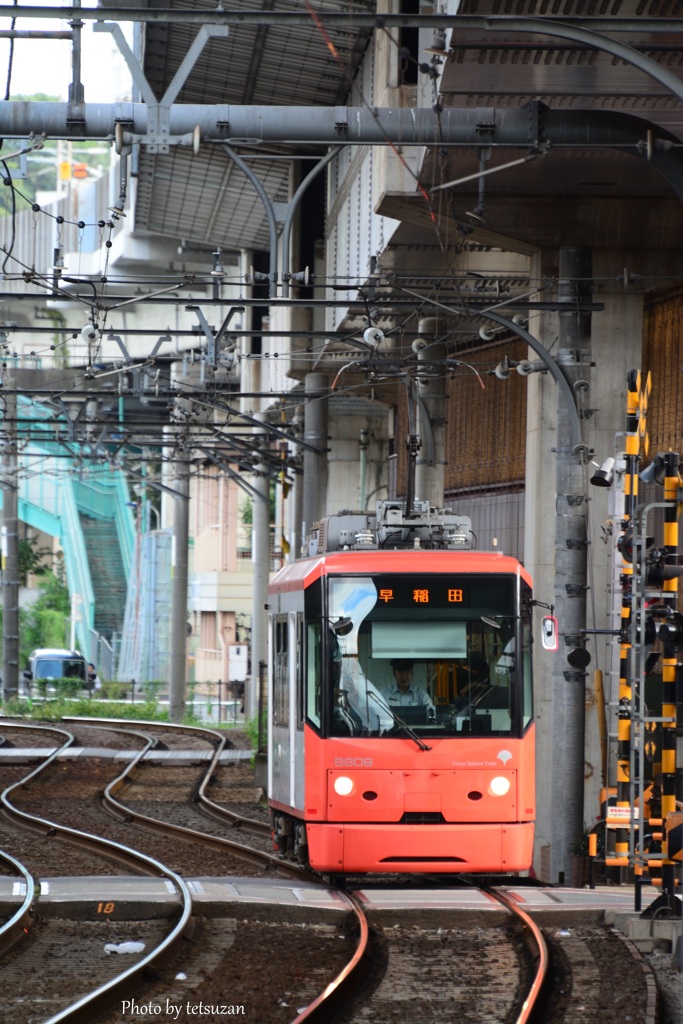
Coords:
54,594
580,848
65,686
32,558
251,729
44,623
189,718
44,628
246,508
114,691
246,512
54,710
152,688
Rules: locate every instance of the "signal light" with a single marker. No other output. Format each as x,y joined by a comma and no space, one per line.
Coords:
626,544
656,471
658,574
650,631
671,631
579,658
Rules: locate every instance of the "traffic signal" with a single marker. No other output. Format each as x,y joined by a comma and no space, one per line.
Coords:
671,631
627,543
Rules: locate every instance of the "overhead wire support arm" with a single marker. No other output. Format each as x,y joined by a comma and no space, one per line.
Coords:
239,480
159,112
213,346
292,207
579,447
270,216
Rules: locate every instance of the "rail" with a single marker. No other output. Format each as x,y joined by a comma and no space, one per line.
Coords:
531,1003
14,927
94,1003
126,813
220,813
329,1003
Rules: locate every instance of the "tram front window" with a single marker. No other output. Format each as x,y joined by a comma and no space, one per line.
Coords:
438,659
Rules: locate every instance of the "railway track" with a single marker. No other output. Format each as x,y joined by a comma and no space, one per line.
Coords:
20,962
77,792
30,947
433,966
443,966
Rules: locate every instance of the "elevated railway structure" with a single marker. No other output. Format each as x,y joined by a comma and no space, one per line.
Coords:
524,165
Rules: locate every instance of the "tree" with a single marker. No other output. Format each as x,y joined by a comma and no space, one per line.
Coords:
44,623
32,558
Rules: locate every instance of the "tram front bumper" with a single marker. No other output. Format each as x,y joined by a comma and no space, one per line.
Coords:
443,848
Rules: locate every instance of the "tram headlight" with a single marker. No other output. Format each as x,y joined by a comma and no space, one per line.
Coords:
343,785
499,786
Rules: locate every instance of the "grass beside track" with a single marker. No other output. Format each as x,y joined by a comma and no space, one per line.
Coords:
52,710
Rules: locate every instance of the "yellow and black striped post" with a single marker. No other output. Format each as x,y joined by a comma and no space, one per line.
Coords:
632,458
669,659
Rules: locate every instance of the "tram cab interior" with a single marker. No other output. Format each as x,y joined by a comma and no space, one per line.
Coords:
463,670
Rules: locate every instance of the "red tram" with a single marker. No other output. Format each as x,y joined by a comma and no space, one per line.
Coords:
400,727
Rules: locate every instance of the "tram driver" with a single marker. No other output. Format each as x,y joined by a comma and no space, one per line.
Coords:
404,692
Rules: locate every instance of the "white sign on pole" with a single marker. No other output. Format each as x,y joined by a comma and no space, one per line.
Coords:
237,662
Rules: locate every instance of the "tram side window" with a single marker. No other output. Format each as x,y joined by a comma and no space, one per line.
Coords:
300,686
313,672
280,671
528,706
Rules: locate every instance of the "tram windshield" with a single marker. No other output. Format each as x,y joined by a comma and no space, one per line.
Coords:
440,657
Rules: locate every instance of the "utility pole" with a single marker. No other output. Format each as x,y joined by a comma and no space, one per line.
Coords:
316,413
10,548
430,465
260,540
181,531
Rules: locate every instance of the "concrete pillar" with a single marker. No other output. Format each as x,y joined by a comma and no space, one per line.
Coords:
315,433
431,414
539,558
568,683
616,347
10,552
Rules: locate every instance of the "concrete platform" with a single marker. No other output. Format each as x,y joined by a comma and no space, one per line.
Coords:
124,897
67,891
26,755
649,935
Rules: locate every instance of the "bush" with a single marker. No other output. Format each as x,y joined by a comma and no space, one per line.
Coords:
152,688
54,710
44,623
114,691
66,686
252,730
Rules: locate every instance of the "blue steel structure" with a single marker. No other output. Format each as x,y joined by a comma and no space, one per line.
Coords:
56,493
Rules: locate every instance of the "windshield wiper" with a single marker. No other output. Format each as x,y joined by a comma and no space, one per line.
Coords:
413,735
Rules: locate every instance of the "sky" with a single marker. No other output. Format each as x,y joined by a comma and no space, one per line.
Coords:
45,65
